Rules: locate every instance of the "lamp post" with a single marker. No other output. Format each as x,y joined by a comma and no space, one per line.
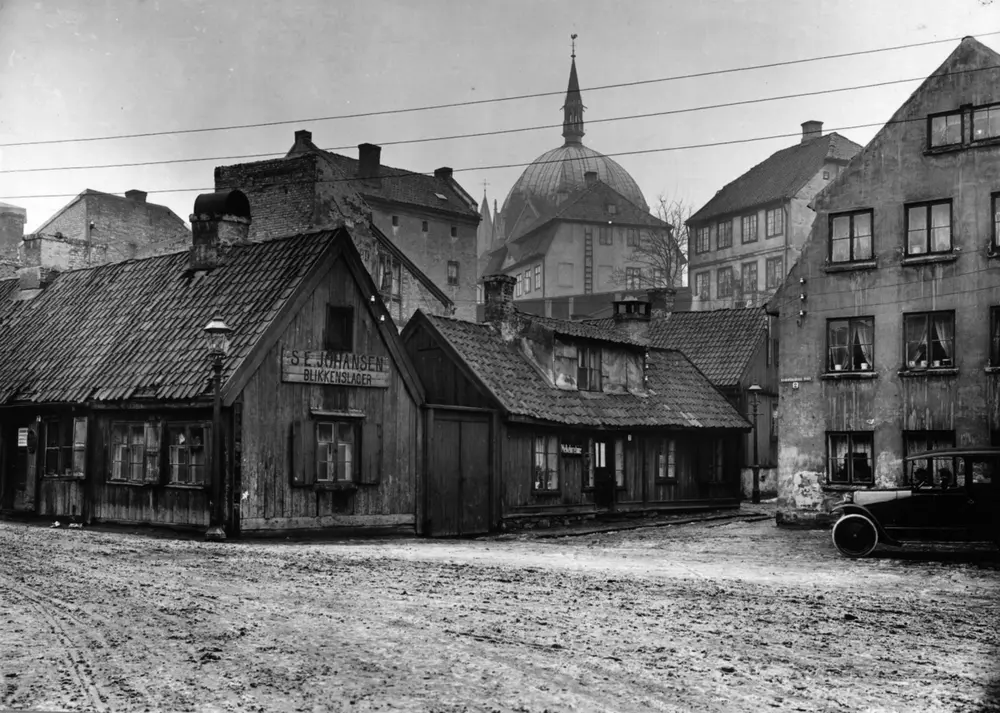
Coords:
217,333
755,390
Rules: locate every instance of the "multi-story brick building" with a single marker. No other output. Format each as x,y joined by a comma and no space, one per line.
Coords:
744,240
430,218
306,190
890,321
97,228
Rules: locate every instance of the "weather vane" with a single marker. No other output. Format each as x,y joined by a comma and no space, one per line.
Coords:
573,39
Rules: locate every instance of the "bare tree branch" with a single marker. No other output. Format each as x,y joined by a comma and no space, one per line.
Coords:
660,257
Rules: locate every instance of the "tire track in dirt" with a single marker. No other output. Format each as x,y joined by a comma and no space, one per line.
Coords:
80,665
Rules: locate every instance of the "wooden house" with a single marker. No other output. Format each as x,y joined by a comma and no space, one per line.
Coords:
531,418
106,388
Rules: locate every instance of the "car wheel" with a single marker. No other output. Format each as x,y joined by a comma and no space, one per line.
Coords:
855,535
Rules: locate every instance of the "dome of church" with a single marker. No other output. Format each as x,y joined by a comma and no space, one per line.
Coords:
562,170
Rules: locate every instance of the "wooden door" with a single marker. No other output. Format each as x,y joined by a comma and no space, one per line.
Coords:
19,469
603,459
459,475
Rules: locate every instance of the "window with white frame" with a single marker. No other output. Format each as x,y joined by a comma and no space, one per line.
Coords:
774,222
724,234
702,242
928,228
633,278
850,457
666,460
545,476
748,223
701,285
336,451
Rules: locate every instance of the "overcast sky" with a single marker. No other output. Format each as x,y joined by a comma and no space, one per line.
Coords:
90,68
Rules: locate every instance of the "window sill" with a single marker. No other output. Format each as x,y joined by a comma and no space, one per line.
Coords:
992,370
550,492
951,148
848,375
131,484
929,371
665,481
854,266
928,259
186,486
335,485
62,477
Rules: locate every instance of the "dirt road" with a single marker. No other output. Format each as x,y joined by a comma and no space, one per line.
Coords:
717,616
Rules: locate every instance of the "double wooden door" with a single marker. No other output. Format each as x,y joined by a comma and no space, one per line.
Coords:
459,474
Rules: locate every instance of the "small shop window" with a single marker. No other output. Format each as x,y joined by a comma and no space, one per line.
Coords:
666,460
65,448
188,452
135,452
850,457
336,450
545,477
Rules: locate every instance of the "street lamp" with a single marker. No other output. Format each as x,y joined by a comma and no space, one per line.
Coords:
755,390
217,333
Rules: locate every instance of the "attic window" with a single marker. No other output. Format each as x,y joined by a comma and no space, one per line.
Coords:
442,197
612,209
588,371
945,129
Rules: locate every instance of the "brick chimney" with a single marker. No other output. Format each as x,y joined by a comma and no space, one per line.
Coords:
811,130
303,143
443,173
661,301
631,317
12,220
369,161
498,296
33,276
590,177
137,196
220,220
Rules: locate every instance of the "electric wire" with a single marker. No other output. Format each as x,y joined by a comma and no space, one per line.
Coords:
476,102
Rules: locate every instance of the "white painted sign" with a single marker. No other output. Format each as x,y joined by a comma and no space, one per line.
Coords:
335,368
22,438
570,450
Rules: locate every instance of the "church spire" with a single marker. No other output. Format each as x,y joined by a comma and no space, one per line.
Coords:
573,108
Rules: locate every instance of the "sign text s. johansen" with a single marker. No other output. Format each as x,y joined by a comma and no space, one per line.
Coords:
334,368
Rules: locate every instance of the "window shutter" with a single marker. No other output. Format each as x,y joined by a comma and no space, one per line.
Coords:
370,470
151,439
80,447
303,453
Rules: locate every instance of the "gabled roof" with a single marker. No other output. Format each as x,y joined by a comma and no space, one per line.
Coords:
135,328
721,343
90,193
779,177
677,395
399,185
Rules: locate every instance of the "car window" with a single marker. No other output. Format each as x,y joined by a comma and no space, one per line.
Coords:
982,471
937,473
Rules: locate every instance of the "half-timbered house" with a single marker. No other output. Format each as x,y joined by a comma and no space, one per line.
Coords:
532,418
107,405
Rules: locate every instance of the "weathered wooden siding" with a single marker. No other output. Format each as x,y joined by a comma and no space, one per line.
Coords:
444,382
270,407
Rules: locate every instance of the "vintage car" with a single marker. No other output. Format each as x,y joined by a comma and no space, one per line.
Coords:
952,496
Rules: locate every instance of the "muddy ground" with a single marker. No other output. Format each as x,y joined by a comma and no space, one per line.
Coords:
712,616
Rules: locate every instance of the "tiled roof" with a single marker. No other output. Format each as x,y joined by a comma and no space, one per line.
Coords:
720,342
132,328
678,395
780,176
582,330
589,204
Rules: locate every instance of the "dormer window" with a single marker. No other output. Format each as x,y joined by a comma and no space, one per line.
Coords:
945,129
588,369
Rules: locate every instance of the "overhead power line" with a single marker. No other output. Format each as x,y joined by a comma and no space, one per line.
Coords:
413,174
499,132
494,100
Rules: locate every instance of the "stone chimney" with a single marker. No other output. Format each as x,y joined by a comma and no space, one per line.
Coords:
661,301
12,220
811,130
590,177
303,143
498,296
443,173
220,220
33,276
369,161
137,196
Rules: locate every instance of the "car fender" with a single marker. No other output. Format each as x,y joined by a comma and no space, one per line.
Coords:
852,509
